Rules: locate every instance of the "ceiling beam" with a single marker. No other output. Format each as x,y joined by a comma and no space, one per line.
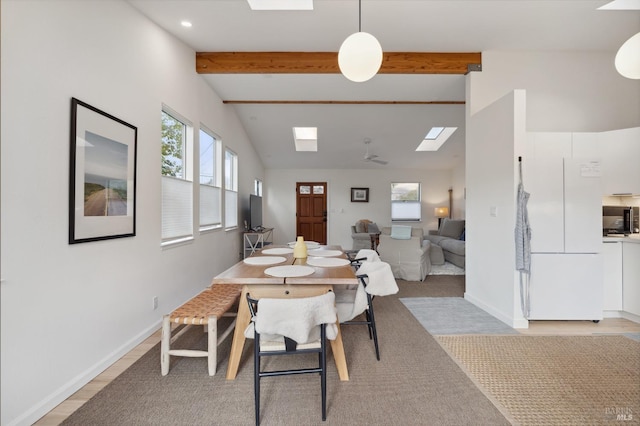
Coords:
345,102
327,63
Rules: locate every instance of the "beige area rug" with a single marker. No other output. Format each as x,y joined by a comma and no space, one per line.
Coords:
555,380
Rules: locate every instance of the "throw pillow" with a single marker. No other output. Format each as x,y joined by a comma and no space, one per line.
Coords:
452,228
373,228
400,232
361,227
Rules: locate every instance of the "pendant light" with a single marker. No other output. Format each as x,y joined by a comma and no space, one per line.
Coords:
360,55
628,58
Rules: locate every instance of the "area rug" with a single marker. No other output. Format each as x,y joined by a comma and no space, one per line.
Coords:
415,383
555,380
454,315
446,269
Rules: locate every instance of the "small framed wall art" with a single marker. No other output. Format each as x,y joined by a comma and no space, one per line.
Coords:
102,178
359,195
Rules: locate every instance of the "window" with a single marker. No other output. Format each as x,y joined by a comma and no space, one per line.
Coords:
257,187
405,202
230,189
210,181
177,190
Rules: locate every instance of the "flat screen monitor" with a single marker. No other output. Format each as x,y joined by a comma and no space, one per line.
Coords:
255,207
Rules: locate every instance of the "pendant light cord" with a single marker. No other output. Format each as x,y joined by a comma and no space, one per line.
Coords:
359,16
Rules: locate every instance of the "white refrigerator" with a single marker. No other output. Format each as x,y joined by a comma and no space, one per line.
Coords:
565,214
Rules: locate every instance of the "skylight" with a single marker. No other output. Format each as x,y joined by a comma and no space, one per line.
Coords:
306,138
281,4
621,5
435,138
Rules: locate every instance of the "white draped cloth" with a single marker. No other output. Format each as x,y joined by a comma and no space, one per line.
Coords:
298,319
380,282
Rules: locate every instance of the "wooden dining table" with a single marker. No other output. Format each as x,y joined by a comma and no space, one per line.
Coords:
260,284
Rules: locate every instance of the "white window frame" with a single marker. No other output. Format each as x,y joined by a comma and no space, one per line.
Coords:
403,210
210,187
230,189
177,191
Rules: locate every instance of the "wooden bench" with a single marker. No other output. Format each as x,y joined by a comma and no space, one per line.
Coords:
204,309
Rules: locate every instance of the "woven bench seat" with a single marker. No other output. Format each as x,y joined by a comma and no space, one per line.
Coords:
204,309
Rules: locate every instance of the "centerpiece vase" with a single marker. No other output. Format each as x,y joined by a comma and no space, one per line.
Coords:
300,249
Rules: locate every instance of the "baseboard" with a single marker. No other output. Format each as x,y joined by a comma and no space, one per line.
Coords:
511,322
54,399
630,316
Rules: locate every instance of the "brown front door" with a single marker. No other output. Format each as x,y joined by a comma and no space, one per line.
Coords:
311,211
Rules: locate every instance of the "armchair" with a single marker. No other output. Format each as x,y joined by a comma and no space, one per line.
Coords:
361,234
408,258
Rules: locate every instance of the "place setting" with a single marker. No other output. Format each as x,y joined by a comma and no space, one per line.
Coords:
327,261
288,271
264,260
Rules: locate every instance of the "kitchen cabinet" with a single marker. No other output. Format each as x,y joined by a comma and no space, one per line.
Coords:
619,151
612,267
631,278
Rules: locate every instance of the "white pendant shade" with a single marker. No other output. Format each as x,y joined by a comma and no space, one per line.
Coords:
360,57
628,58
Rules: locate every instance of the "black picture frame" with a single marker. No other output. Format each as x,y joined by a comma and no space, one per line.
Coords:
102,175
359,195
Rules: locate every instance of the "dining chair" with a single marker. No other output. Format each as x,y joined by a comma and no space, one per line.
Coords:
375,279
291,327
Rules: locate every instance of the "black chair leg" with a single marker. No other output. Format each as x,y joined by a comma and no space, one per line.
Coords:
256,377
372,325
323,373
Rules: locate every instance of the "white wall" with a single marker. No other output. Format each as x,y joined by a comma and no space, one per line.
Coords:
280,201
568,91
490,251
69,311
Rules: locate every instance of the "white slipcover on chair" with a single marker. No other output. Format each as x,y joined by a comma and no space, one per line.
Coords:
376,279
408,258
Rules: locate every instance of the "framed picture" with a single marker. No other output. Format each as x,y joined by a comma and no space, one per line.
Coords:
359,195
102,178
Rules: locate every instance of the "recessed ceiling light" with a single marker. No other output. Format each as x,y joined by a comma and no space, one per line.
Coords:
281,4
306,138
186,24
435,138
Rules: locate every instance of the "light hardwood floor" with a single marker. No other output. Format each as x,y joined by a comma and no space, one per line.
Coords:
66,408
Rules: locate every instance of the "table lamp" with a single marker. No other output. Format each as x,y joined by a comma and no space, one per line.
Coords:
440,213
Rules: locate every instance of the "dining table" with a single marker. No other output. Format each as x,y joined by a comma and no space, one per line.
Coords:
273,272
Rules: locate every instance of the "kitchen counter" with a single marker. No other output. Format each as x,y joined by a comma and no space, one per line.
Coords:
633,238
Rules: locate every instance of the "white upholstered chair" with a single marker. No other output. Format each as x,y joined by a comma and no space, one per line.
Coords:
407,256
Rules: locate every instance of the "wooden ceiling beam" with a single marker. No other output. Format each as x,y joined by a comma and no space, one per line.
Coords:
283,102
327,63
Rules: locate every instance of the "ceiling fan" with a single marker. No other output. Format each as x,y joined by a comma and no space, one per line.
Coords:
371,157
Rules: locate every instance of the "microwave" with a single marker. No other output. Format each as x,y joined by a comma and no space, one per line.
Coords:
620,220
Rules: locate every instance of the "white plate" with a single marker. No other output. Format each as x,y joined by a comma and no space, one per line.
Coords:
310,244
326,253
327,261
264,260
277,250
289,271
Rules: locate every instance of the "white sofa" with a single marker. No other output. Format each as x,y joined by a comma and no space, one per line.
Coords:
408,258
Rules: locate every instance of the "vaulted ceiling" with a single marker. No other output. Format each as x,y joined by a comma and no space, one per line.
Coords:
243,55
